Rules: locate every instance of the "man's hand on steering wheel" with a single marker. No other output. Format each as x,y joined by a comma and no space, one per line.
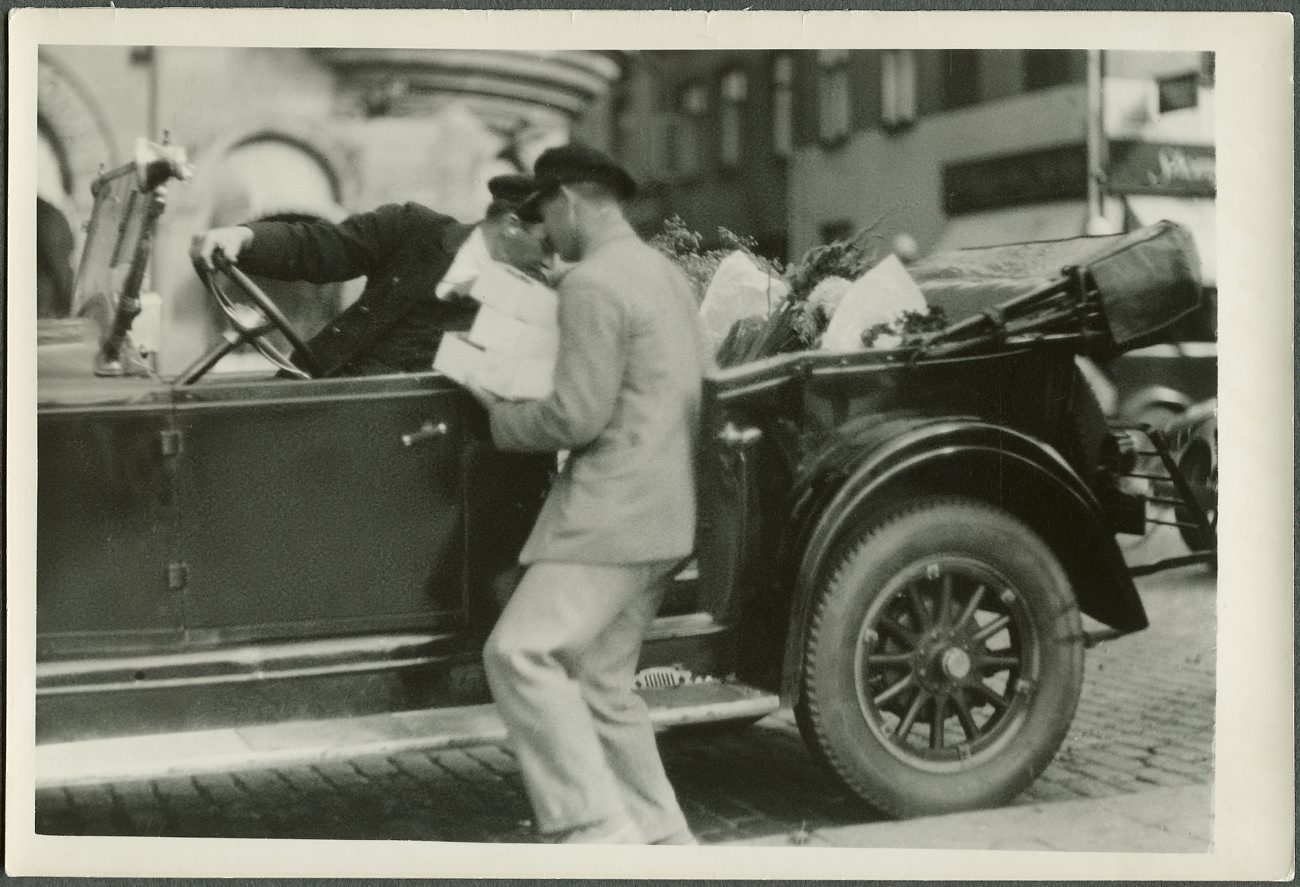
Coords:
229,241
213,254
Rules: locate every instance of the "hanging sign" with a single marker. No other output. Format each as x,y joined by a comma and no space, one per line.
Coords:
1155,168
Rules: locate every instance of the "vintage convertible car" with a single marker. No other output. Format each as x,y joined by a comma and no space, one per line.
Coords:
912,547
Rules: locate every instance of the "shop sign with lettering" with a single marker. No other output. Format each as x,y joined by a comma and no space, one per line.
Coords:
1048,174
1154,168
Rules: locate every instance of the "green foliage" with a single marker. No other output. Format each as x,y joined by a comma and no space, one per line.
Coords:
804,323
849,259
685,247
911,327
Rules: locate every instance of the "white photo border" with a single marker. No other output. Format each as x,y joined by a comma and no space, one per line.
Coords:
1254,776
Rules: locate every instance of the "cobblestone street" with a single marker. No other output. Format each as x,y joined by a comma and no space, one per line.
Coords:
1146,720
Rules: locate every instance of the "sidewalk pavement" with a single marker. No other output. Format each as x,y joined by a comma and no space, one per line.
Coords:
1165,820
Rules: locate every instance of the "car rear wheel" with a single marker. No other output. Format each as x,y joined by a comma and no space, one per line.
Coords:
1202,475
944,659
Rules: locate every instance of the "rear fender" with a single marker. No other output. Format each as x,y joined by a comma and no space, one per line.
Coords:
882,463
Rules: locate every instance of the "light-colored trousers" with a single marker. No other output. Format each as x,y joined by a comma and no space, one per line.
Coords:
560,663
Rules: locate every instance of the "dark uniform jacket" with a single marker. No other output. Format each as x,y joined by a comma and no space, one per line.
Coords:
403,252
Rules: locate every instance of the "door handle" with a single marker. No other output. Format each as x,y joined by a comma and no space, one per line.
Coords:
739,438
427,431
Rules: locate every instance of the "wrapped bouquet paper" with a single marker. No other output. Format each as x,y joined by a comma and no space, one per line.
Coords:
738,289
516,294
505,375
884,295
512,346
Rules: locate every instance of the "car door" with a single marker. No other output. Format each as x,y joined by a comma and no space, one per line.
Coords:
104,529
321,508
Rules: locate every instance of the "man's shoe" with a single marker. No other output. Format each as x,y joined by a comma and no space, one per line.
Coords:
599,833
682,837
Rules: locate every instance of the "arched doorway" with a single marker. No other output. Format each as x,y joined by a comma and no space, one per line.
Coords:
276,176
273,176
56,240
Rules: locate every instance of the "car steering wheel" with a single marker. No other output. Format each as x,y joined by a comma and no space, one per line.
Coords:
252,320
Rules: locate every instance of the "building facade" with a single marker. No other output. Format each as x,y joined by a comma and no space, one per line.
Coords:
708,136
927,149
970,147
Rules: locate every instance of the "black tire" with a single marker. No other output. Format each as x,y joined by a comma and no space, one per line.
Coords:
1005,695
1198,469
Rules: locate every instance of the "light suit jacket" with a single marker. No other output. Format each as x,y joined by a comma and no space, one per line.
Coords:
626,403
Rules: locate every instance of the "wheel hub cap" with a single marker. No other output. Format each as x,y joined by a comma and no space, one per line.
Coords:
955,663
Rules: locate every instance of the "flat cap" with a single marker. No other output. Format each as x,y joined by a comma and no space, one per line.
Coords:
513,188
572,163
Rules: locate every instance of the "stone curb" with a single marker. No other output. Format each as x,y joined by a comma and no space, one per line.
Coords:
1168,820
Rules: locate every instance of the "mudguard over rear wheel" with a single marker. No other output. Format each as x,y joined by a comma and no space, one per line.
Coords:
944,659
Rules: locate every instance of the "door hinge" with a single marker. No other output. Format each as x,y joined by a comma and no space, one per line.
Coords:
170,440
178,576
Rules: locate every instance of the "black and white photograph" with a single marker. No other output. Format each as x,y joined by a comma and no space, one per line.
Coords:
770,443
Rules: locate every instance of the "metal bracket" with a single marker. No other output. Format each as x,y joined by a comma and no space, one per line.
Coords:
178,576
170,441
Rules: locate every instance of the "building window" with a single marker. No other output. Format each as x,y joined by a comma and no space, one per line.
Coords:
783,105
1045,68
897,87
833,94
692,102
1178,93
960,84
735,89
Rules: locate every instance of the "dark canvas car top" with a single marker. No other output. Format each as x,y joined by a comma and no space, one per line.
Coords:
1148,279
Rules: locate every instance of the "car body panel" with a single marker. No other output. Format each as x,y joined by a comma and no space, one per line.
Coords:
844,437
105,530
307,514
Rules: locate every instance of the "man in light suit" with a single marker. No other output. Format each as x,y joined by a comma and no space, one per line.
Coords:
621,515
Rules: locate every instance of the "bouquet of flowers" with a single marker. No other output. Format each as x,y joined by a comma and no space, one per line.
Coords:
827,270
684,247
813,289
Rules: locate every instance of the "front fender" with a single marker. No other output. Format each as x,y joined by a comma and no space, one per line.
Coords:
879,463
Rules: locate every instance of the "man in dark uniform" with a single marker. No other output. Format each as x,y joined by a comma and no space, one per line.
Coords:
418,266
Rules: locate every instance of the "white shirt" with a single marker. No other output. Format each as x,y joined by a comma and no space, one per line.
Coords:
471,259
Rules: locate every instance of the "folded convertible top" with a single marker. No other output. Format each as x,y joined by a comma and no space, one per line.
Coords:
1148,279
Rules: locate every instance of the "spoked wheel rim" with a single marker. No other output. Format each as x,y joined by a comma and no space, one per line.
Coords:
946,663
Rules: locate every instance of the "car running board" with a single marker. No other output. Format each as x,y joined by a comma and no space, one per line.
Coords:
299,743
